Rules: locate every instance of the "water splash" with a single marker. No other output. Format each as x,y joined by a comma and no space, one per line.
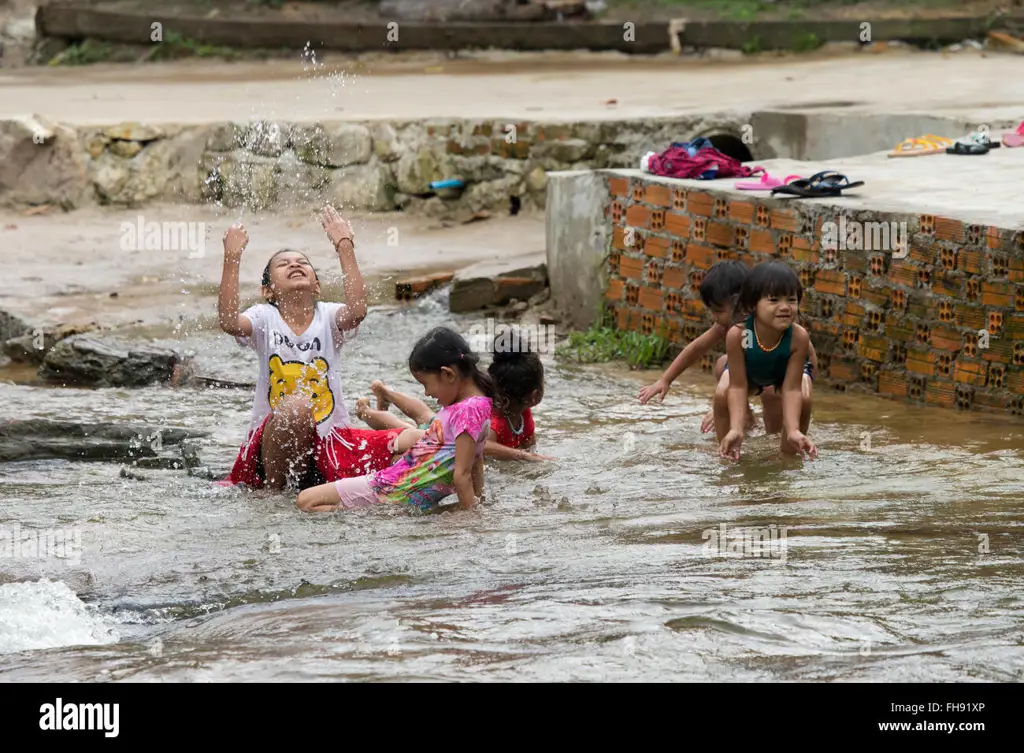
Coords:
47,614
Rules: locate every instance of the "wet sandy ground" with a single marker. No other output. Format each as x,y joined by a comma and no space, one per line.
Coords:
969,84
62,268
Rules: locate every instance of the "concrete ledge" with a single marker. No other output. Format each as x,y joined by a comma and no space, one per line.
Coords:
70,22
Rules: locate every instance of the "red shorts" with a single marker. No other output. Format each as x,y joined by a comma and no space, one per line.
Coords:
344,453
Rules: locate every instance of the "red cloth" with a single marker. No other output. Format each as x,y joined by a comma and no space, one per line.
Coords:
344,453
706,163
504,431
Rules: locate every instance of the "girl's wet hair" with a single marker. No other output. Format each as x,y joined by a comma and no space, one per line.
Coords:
722,284
516,374
770,278
266,270
442,347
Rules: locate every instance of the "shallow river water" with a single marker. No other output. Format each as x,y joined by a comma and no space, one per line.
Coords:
901,559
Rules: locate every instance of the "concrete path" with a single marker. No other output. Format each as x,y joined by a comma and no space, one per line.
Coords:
965,84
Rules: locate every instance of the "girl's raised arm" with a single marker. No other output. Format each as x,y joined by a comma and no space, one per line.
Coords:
340,233
235,241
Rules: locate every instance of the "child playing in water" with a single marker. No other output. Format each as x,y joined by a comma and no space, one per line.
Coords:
299,432
720,291
446,458
769,350
518,387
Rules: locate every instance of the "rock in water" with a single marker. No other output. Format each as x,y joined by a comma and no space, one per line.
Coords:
84,361
41,439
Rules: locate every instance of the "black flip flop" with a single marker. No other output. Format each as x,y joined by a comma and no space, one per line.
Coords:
962,148
825,183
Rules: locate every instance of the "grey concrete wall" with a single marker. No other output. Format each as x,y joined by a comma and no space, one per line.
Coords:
805,135
577,242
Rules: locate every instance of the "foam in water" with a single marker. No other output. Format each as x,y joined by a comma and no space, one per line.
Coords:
48,614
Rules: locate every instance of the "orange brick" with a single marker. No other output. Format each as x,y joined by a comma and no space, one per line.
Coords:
997,294
943,338
843,370
892,384
677,224
614,291
762,242
921,362
701,257
693,308
901,273
656,246
651,298
628,320
619,187
1016,273
630,268
993,237
948,286
1015,383
939,393
803,253
921,254
970,373
742,212
674,278
719,234
785,219
949,230
828,281
638,216
619,237
700,204
970,261
659,196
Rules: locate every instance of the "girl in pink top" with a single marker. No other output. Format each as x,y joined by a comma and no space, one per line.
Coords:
441,461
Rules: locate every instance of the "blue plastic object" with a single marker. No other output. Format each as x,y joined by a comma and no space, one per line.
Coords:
439,184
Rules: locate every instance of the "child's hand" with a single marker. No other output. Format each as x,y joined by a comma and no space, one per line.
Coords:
235,241
730,447
800,444
658,388
708,424
336,226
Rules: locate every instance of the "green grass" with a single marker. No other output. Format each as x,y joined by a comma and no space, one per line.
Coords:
601,344
807,43
84,53
175,46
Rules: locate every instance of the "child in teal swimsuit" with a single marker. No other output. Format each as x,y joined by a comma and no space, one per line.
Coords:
768,350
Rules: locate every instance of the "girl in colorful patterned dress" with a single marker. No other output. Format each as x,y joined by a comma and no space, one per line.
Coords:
518,378
443,460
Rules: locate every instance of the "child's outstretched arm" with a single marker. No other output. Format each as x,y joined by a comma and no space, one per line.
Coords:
464,483
235,241
792,394
737,395
340,232
689,356
496,450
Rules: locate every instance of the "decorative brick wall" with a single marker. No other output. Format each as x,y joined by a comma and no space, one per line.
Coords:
903,328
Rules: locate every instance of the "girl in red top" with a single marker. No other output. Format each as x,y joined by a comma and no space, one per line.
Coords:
518,385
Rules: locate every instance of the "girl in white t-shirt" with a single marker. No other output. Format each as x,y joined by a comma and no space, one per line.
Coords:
299,430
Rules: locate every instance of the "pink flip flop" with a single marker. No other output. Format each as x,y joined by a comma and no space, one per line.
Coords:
1014,138
767,183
